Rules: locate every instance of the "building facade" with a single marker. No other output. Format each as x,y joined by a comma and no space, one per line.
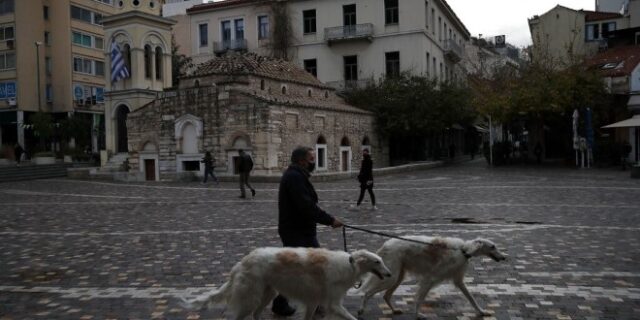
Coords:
342,43
264,106
52,60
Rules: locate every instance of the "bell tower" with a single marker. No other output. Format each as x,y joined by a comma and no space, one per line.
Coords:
143,38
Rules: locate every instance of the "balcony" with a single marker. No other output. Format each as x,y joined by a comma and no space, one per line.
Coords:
346,85
346,33
453,51
235,45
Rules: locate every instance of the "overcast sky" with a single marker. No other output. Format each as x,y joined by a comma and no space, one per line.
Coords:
508,17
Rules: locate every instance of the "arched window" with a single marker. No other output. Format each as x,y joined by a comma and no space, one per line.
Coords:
321,140
284,90
158,63
262,84
365,141
321,153
345,142
326,95
147,61
127,58
196,84
309,93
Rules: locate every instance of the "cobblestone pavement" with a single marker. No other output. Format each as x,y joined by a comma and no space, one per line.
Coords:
93,250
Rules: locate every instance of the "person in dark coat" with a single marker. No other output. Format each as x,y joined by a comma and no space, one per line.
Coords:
365,177
298,212
208,167
17,152
245,165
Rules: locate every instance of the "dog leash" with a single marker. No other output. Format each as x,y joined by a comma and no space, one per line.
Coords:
382,234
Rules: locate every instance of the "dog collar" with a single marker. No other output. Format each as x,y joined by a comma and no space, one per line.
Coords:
465,254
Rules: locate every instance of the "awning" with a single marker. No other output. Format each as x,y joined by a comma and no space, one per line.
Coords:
629,123
634,100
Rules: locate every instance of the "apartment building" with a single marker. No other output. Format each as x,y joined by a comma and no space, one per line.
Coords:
51,60
562,32
343,43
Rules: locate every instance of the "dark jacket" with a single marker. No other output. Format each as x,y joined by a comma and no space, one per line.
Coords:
208,162
366,170
245,163
298,210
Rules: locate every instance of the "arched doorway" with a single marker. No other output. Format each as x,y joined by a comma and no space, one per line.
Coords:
121,123
321,153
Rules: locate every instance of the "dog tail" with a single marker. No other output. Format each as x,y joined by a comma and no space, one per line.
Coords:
207,300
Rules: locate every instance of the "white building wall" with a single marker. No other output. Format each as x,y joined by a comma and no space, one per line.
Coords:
635,79
413,36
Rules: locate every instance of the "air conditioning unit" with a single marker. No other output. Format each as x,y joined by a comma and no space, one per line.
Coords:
12,102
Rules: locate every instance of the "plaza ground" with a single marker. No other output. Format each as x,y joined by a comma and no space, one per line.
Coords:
74,249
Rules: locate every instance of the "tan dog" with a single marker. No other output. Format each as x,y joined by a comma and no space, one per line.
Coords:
315,277
444,259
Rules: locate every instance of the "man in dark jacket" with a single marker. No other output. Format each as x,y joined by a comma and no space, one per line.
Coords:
298,212
245,165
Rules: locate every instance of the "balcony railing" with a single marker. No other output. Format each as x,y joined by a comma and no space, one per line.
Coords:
235,44
357,31
453,50
345,85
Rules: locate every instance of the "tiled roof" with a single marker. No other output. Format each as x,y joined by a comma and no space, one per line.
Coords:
598,16
616,62
221,4
251,63
333,104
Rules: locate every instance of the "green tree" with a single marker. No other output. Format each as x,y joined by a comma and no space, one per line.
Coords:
42,128
180,63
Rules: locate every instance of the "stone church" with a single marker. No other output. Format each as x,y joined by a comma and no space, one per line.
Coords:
262,105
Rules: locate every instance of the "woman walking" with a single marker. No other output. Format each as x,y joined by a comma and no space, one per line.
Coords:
365,177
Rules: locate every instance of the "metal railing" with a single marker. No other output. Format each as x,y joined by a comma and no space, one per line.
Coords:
235,44
453,49
356,31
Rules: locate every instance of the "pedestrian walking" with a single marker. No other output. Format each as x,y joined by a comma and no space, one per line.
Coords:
208,167
245,165
298,212
365,177
17,152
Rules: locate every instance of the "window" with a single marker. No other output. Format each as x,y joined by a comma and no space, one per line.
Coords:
392,62
47,65
47,38
45,12
226,31
390,11
99,68
239,23
592,32
204,34
126,53
309,20
311,65
441,72
6,6
433,21
321,151
349,15
6,33
263,27
49,93
435,71
158,63
350,68
7,60
608,27
87,94
87,40
426,14
440,28
86,15
147,61
82,65
428,61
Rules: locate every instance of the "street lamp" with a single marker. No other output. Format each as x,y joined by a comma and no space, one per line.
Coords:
38,44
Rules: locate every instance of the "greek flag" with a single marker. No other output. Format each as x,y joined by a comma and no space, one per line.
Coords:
118,67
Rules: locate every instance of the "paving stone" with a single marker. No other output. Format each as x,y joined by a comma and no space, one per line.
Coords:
96,250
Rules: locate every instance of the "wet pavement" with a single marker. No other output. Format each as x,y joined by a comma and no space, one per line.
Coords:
95,250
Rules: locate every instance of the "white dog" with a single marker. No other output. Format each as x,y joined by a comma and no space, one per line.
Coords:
443,259
315,277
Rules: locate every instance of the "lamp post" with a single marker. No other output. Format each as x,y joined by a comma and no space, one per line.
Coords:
38,44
